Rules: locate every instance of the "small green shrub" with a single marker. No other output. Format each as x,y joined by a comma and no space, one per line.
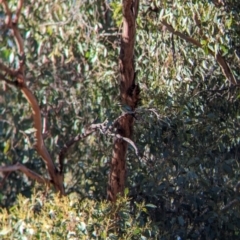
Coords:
69,218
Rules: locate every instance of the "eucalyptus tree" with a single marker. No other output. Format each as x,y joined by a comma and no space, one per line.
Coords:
183,157
58,51
43,56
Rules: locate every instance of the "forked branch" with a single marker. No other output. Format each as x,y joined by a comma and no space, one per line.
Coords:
20,82
105,128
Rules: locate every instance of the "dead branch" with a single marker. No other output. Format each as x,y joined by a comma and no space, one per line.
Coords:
128,140
105,128
219,58
88,131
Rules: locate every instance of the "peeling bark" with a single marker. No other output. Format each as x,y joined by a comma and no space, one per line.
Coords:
129,93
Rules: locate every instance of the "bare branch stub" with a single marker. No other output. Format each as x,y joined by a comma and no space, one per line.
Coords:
19,74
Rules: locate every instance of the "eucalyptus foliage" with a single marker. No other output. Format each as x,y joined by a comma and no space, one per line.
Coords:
187,126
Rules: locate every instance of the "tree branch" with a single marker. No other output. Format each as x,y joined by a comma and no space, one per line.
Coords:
104,129
18,12
234,201
31,174
219,58
56,177
91,129
128,140
13,83
229,205
7,70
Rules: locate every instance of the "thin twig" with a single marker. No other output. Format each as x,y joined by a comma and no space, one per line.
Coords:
73,140
88,131
104,128
229,205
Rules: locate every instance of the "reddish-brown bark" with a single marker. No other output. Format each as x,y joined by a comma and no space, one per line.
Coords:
129,92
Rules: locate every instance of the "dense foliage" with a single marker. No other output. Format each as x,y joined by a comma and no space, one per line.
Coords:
69,218
186,129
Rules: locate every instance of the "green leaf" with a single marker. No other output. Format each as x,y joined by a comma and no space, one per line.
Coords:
7,146
150,205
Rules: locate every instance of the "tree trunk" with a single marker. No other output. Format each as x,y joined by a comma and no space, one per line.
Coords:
129,93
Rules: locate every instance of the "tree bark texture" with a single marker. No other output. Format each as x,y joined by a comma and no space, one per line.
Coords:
129,93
